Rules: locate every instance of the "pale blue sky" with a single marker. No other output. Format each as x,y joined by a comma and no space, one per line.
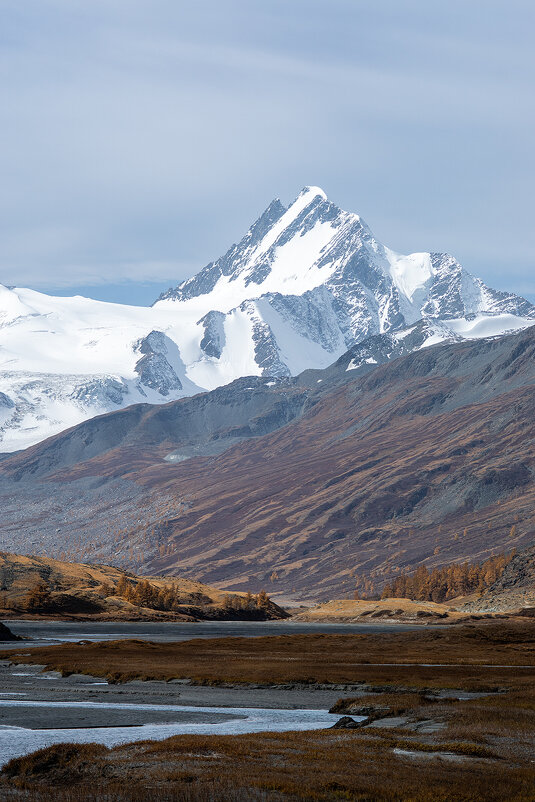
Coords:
141,138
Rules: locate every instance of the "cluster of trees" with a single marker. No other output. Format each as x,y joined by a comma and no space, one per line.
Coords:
365,587
249,607
37,600
145,594
449,581
247,602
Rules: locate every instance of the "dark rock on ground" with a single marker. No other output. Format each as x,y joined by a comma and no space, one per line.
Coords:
345,723
6,634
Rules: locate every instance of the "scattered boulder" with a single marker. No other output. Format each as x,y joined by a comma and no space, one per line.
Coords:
527,612
345,723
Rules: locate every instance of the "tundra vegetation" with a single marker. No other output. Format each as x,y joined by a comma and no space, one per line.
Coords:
423,739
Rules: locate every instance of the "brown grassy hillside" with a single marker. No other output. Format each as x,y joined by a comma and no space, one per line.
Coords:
37,586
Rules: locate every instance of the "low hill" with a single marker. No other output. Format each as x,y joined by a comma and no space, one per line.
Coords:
37,586
383,610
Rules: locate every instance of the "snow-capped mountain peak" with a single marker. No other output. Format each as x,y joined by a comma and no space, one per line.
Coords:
306,283
312,245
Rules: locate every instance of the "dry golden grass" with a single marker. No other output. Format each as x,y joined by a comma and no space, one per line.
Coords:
392,608
395,703
20,572
322,765
435,658
483,750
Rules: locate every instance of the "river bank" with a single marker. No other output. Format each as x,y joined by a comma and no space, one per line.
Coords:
438,714
42,631
40,708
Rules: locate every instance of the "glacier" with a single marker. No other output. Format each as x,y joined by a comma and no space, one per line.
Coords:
306,284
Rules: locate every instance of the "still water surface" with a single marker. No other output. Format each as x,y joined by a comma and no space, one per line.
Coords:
45,632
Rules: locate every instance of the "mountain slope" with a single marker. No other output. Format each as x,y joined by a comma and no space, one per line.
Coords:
306,283
426,458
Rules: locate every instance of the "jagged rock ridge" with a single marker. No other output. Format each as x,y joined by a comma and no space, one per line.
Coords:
314,278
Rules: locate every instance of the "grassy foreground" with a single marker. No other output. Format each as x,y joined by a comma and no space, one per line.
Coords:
438,748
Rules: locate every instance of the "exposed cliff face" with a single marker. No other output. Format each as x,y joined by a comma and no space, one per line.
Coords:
154,367
306,283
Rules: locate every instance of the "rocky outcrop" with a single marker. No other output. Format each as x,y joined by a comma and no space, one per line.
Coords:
213,341
6,634
346,723
514,590
154,368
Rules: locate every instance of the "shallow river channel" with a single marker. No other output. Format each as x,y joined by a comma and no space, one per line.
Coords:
39,708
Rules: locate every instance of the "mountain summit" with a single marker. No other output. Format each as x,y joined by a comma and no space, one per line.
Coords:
304,285
310,281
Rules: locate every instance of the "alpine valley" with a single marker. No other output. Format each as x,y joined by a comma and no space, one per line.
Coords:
304,285
308,410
